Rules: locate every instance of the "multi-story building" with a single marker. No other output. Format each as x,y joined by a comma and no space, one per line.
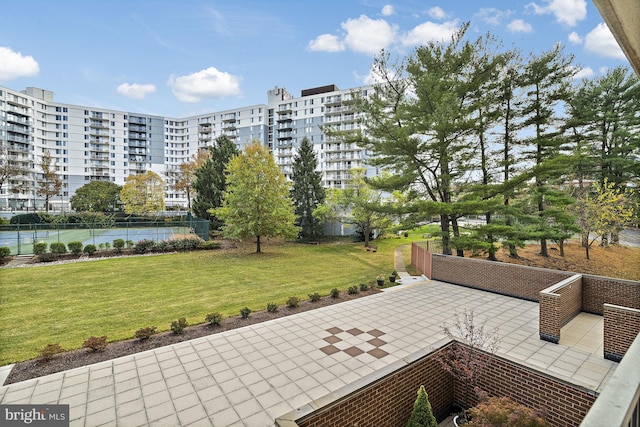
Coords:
88,143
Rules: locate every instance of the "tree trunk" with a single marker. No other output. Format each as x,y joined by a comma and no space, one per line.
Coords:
365,231
543,248
258,244
456,232
444,228
586,249
561,245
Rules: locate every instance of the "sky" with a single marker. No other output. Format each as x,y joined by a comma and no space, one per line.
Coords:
188,57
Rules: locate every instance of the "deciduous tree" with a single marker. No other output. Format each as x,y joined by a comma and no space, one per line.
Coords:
187,174
96,196
49,184
143,193
257,201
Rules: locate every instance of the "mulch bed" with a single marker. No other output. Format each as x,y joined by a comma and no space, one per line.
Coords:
75,358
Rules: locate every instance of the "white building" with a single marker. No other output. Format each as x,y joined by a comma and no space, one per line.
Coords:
88,143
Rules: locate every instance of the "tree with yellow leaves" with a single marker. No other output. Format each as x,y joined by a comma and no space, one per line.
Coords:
187,174
143,193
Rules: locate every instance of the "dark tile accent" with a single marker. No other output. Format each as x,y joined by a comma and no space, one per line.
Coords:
353,351
377,353
329,350
377,342
332,339
355,331
334,330
375,332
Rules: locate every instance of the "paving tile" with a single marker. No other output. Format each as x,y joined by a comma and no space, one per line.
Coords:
128,408
216,405
160,412
225,417
133,420
159,398
185,402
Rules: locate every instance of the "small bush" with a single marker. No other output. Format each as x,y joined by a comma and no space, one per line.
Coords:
364,287
58,248
107,245
130,243
335,293
39,248
314,297
209,245
293,302
272,307
90,249
144,246
4,252
50,350
352,290
101,246
75,247
177,326
95,343
47,257
118,245
145,333
245,312
214,319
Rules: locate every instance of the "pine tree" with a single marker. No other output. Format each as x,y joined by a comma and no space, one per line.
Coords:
422,414
307,192
210,181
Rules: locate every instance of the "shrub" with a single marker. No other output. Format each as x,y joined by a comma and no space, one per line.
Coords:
293,302
130,243
75,247
47,257
39,248
144,246
107,245
90,249
364,287
177,326
95,343
4,252
58,248
352,290
335,293
214,319
422,414
50,350
272,307
209,245
245,312
314,297
118,245
504,411
145,333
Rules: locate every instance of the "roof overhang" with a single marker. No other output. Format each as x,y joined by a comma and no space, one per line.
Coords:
623,18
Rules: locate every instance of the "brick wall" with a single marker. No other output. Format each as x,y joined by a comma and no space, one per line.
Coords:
421,258
503,278
389,401
621,327
597,291
558,305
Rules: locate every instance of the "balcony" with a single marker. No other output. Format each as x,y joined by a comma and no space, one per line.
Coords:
285,118
231,117
17,138
16,119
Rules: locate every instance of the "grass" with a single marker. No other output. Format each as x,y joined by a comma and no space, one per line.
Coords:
67,303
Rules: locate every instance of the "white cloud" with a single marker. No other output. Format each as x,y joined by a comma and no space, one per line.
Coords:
601,42
135,90
567,12
583,73
14,65
436,12
387,10
492,16
430,31
519,26
368,35
326,43
575,38
208,83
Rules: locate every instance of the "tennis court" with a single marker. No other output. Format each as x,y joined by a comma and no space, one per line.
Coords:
20,240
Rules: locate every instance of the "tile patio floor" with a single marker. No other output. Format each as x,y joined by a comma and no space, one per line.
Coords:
250,376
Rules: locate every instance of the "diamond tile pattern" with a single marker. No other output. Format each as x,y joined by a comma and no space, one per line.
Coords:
371,337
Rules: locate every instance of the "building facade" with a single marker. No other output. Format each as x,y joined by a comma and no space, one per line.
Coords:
88,143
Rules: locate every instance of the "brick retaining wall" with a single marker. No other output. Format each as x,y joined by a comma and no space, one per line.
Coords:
558,305
597,290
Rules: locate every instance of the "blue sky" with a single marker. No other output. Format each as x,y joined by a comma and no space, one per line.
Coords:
180,58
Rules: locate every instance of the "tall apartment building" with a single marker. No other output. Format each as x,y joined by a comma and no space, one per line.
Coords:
88,143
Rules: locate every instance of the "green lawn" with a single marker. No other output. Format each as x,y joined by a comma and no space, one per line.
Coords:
114,297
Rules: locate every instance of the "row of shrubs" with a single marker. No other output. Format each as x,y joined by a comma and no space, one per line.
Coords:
96,343
141,247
